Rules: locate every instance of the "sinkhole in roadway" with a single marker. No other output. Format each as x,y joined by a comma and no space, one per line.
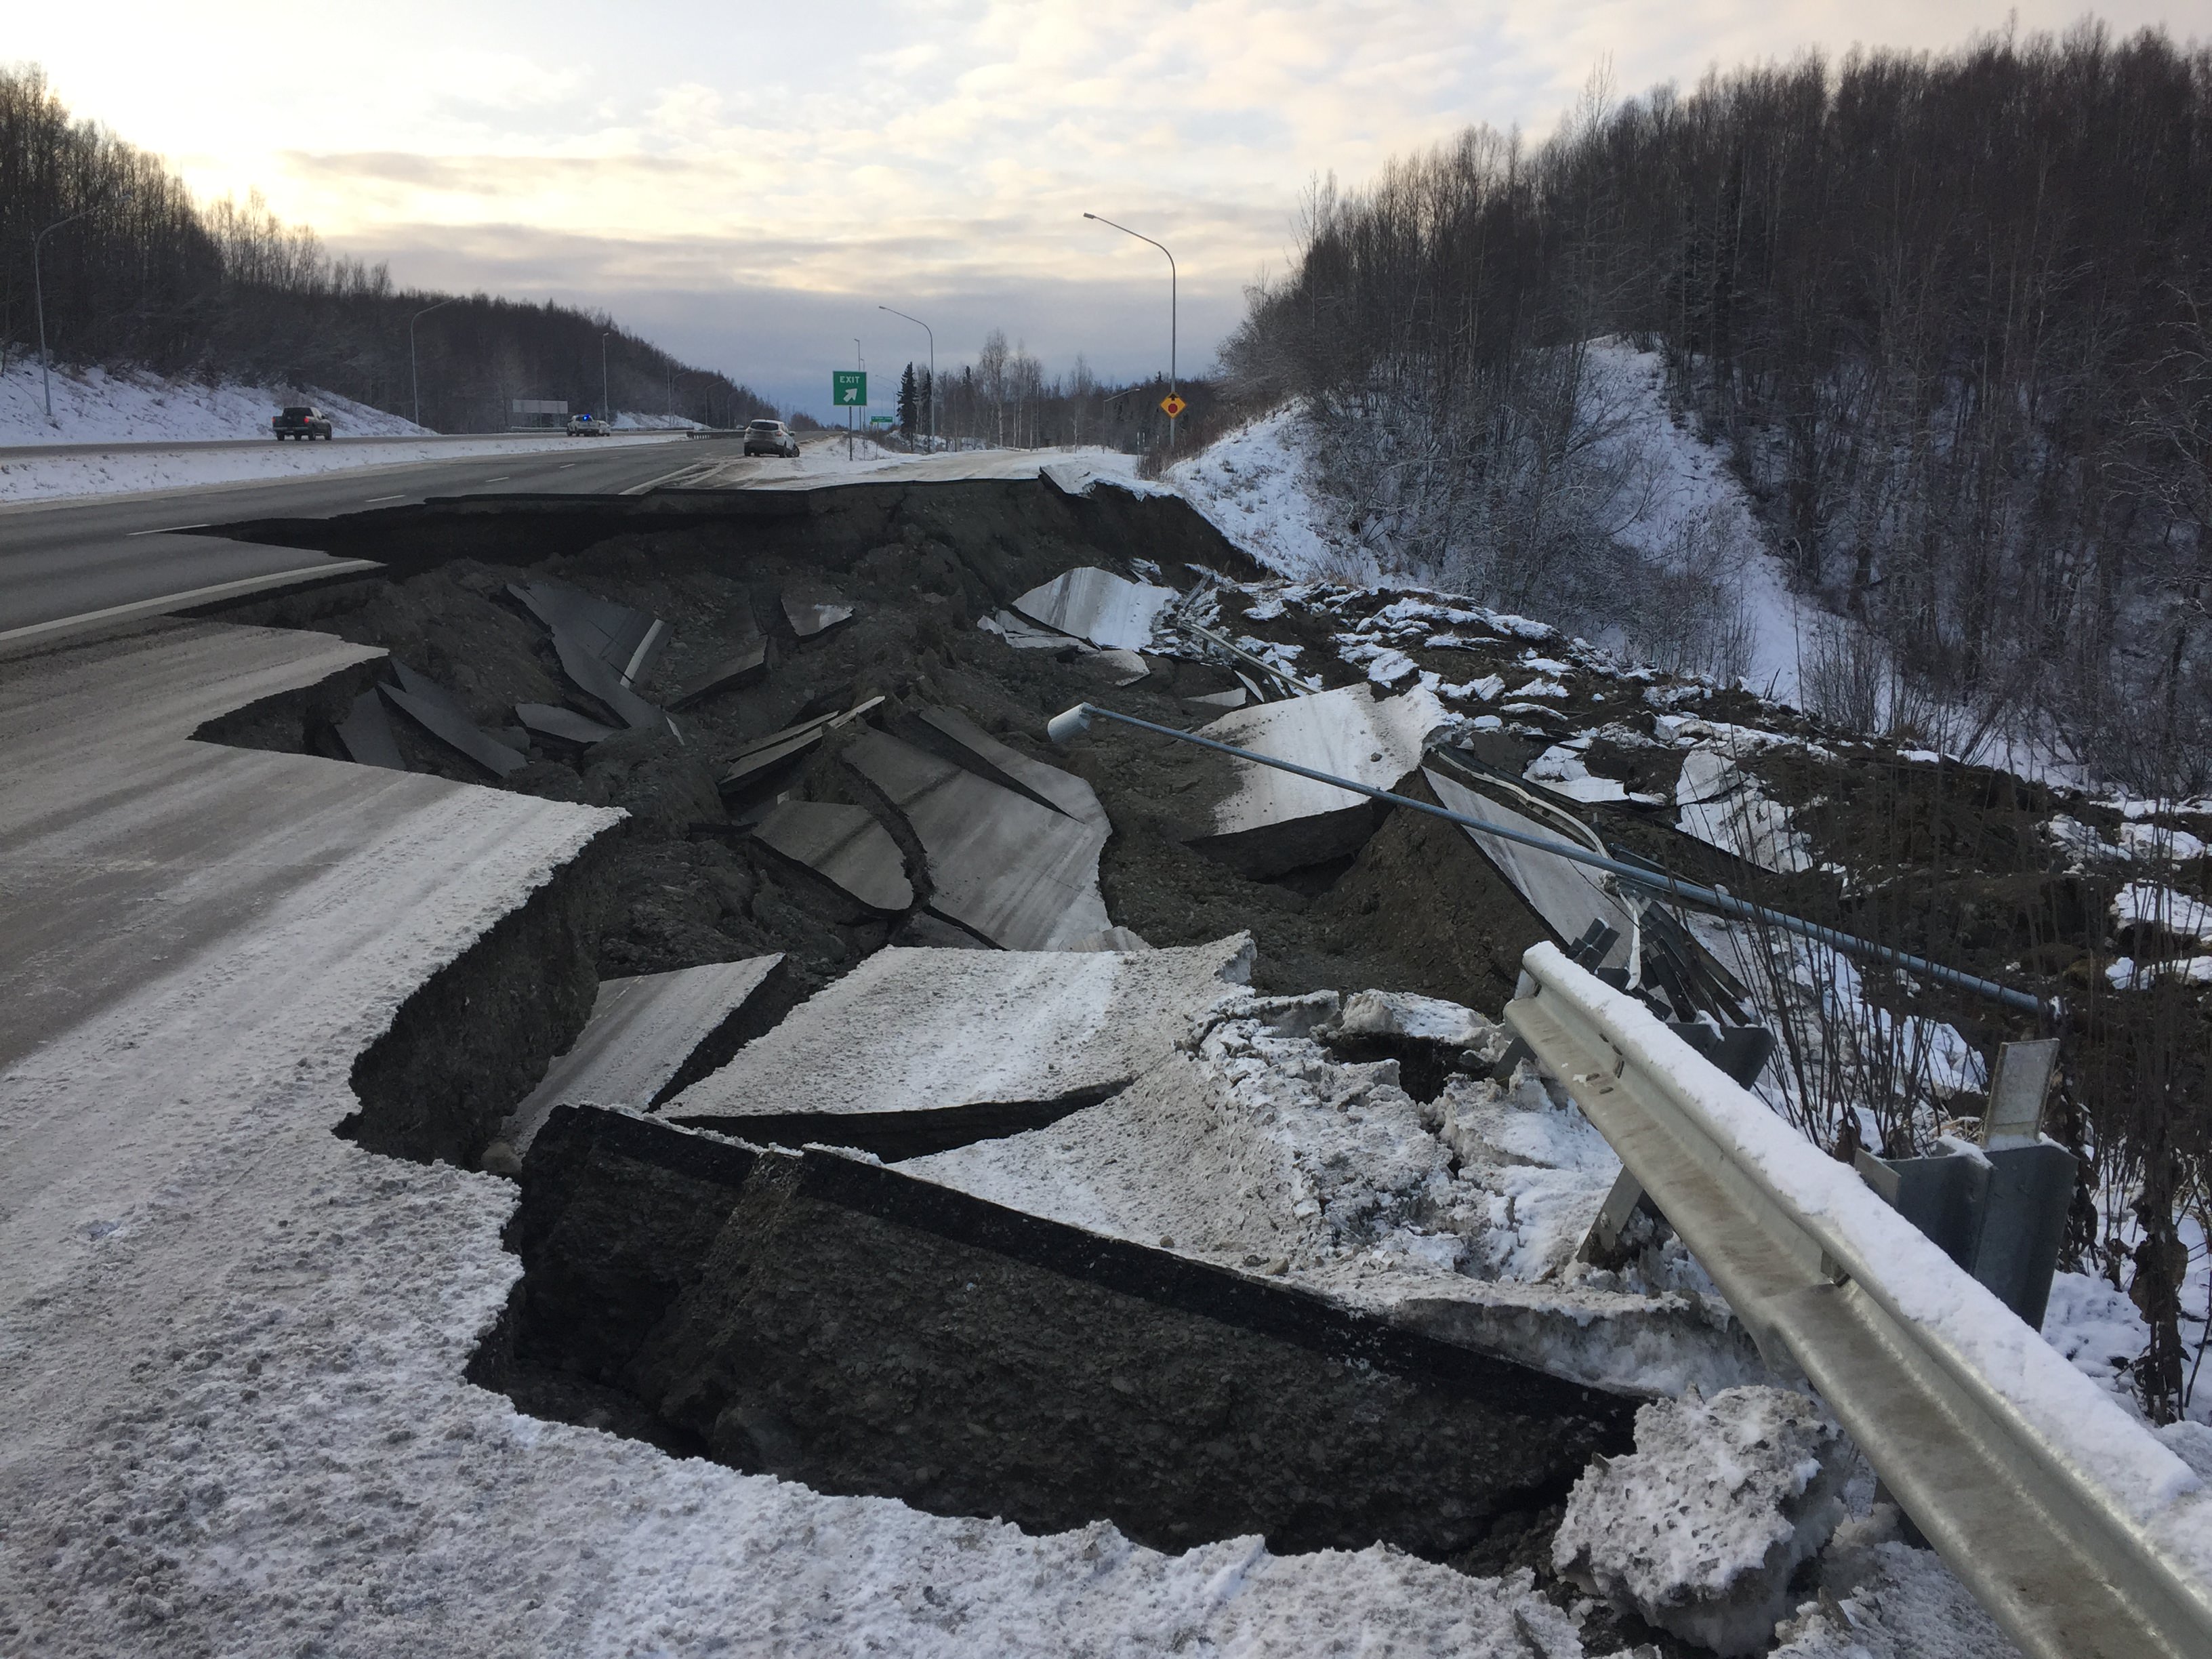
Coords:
823,1317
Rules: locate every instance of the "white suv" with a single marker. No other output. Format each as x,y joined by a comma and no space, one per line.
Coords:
770,438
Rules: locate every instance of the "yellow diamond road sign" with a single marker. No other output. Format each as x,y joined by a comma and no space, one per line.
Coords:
1173,405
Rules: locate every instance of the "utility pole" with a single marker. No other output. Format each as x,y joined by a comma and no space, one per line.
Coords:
606,399
414,373
931,332
39,289
1141,237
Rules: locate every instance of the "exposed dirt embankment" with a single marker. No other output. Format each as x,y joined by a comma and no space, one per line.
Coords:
832,1322
474,1040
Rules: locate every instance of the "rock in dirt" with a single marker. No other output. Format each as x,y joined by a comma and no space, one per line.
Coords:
655,778
1700,1529
1403,1014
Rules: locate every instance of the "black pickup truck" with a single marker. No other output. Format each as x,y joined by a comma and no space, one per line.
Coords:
301,421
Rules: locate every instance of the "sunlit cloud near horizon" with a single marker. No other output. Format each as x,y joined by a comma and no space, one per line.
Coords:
746,185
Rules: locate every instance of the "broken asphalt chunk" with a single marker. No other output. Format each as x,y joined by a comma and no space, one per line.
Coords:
742,667
1274,821
550,720
916,1050
366,734
1023,876
626,641
595,679
843,845
1098,606
438,712
757,759
642,1031
950,735
835,1322
811,611
1569,896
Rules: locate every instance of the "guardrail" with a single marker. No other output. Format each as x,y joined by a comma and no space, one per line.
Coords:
2082,1534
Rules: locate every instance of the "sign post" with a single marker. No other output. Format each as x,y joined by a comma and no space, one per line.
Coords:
848,389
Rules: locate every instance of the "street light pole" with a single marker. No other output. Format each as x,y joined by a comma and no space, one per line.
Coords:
415,374
606,399
1141,237
859,365
931,332
38,290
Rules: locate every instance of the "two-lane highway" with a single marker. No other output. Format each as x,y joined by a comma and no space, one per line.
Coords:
121,555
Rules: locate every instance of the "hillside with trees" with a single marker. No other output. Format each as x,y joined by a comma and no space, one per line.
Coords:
148,277
1949,317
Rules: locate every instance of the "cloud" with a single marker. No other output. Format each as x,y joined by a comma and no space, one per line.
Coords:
941,150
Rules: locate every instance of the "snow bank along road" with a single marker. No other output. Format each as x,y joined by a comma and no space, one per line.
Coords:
70,560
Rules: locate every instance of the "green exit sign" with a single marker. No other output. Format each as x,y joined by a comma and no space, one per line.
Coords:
882,420
849,387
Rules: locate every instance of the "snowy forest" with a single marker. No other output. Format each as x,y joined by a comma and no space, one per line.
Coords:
134,271
1950,317
1004,399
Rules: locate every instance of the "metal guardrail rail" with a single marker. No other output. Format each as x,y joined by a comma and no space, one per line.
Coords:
2081,1533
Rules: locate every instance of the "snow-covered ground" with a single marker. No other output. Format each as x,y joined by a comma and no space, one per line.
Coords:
1680,503
826,457
1684,503
94,405
1254,485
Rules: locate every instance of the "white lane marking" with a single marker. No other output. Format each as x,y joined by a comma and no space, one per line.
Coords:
190,597
564,466
166,530
653,483
373,500
502,478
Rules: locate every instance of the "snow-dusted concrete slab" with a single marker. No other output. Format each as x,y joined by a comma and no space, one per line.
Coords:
247,1339
1568,895
843,845
1021,875
1456,1218
1094,604
1721,804
912,1033
1274,821
641,1031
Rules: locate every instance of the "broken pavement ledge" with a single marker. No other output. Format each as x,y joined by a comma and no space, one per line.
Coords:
916,1050
231,1344
846,1324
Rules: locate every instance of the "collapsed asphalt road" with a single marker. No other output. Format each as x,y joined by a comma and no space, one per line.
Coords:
822,655
1192,1234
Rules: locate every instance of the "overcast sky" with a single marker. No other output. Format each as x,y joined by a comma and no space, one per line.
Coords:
746,182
